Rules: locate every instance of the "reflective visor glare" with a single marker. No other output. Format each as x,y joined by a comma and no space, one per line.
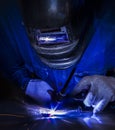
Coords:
52,38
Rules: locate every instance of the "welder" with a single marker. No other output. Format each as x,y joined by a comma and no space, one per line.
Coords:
48,45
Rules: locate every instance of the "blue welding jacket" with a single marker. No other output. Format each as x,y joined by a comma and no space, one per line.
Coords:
18,60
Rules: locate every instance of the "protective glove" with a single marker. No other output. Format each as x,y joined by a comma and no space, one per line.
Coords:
101,91
39,90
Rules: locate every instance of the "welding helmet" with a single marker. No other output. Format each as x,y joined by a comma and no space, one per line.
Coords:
51,28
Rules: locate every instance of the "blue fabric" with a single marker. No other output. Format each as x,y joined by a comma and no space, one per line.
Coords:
18,60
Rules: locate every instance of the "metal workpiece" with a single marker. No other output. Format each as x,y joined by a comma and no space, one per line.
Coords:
33,117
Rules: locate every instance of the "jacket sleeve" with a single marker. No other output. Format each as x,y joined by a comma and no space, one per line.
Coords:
12,64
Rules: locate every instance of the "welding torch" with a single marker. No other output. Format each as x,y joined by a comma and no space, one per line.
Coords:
62,94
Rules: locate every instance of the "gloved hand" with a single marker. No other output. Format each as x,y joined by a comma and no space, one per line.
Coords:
101,91
39,90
